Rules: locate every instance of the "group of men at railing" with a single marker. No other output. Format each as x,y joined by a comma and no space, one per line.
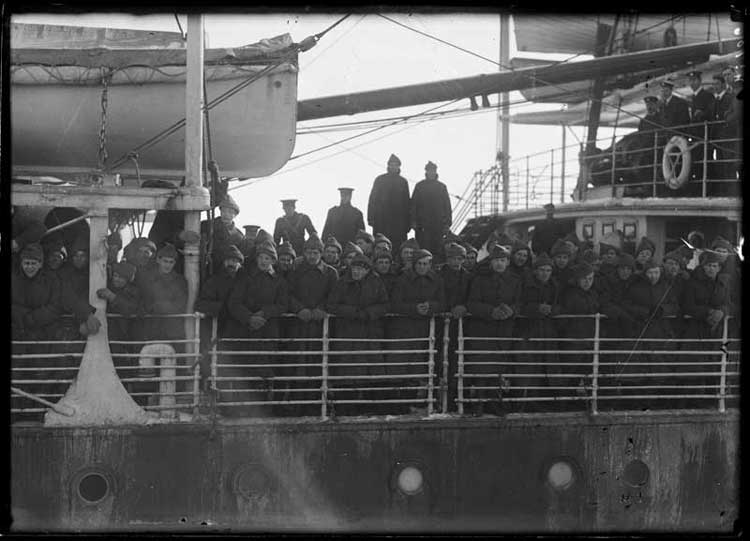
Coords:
707,118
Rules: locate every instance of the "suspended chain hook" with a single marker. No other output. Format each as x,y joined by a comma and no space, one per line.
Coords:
102,153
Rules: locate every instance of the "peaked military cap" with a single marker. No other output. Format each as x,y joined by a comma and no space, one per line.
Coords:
695,73
650,99
288,201
346,190
228,202
667,83
250,229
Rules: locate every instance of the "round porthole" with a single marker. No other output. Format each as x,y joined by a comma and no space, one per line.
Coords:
409,478
251,481
635,474
561,474
93,487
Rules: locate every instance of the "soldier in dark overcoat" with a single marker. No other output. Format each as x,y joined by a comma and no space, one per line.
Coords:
431,212
255,304
419,294
383,266
382,244
494,304
365,241
285,264
74,285
644,251
351,250
562,264
546,232
332,253
123,299
388,207
520,260
675,111
225,232
344,220
359,301
291,227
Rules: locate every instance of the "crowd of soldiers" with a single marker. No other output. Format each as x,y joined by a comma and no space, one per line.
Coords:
514,291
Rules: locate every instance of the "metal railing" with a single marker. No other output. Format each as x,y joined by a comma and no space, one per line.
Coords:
161,379
579,373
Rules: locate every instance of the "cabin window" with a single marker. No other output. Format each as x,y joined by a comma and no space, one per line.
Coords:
629,230
588,231
608,228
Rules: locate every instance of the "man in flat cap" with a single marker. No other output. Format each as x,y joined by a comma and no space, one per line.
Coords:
431,211
388,207
344,220
675,110
291,227
702,101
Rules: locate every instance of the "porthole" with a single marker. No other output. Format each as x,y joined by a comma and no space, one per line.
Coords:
409,478
251,481
92,485
636,474
561,474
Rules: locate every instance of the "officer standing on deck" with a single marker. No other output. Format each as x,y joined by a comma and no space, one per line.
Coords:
292,226
431,212
345,220
675,110
388,207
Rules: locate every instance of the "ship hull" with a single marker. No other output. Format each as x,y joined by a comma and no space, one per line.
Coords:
644,472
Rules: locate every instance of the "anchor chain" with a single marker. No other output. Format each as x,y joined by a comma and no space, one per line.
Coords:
102,154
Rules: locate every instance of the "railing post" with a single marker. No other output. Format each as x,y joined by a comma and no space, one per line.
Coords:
656,159
431,366
705,157
324,370
214,355
167,386
724,356
612,173
552,175
197,364
527,182
445,388
562,166
461,366
595,373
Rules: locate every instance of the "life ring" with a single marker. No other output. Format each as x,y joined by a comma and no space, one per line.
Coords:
676,162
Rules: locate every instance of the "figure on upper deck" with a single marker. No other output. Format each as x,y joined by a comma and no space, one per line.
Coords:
388,207
546,232
675,110
292,226
702,103
344,220
431,212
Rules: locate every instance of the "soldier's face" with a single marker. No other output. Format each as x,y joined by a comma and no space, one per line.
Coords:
586,282
348,258
30,267
80,259
55,260
346,198
232,265
521,257
394,169
471,259
643,256
331,255
112,252
422,266
382,265
406,255
312,257
624,272
431,174
118,282
572,248
666,92
288,208
227,215
653,275
499,264
723,253
651,107
382,247
359,272
609,257
144,255
264,262
695,83
165,264
561,260
543,273
455,262
671,267
285,262
711,270
365,246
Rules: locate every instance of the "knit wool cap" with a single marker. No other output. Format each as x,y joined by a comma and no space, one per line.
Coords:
650,264
33,251
420,254
499,252
362,234
542,260
709,256
409,243
361,260
581,269
350,247
232,252
517,246
393,160
559,247
268,249
228,202
286,249
314,243
382,238
168,250
645,244
383,255
721,242
331,241
626,260
264,236
572,237
455,250
674,255
124,269
589,257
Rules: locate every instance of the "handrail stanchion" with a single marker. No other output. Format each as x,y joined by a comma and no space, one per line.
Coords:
562,168
612,174
724,355
656,159
552,175
595,374
705,157
527,182
197,364
431,366
461,366
214,355
324,370
444,388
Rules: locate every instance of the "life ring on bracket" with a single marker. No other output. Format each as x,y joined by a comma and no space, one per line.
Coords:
676,162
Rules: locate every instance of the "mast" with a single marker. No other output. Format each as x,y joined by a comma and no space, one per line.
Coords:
503,134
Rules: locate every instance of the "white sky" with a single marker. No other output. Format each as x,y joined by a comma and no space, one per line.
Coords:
365,53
